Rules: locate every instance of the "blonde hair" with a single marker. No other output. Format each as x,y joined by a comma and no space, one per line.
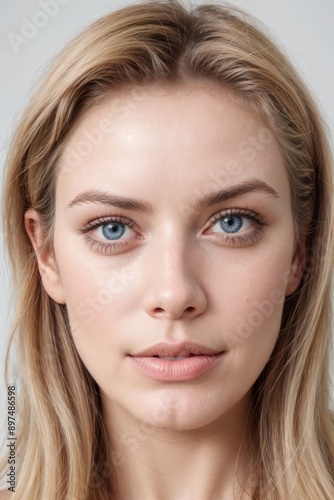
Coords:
62,441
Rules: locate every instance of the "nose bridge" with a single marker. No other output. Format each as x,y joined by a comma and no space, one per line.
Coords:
175,288
173,248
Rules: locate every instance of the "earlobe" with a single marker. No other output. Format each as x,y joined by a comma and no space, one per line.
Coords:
297,268
47,266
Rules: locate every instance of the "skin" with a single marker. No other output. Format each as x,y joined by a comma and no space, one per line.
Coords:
180,277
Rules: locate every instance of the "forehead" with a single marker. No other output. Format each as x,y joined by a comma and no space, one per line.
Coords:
175,139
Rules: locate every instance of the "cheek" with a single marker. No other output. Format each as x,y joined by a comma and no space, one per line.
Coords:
96,297
254,307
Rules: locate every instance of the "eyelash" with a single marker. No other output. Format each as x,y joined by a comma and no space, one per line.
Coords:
105,248
240,240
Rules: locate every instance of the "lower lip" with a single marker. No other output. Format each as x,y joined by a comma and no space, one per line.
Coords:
167,370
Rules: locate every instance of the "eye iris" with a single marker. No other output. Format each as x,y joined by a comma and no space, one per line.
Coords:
113,231
231,223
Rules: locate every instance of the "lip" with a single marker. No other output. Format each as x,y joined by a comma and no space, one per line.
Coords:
176,349
166,370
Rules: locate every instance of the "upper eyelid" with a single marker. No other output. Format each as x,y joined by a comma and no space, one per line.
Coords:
100,221
226,211
243,212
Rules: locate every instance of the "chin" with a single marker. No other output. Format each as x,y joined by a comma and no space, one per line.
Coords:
179,413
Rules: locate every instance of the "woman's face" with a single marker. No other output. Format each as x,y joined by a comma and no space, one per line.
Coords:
173,225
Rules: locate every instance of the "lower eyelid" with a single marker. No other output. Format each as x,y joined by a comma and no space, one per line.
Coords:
104,247
243,239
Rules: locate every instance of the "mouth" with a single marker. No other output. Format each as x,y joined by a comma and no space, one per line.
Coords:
180,358
175,363
174,358
177,351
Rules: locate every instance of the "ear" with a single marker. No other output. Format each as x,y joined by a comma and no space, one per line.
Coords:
47,266
297,268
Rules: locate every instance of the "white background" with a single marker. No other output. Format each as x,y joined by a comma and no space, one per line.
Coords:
303,28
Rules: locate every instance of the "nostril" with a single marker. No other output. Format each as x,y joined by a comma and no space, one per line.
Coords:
190,309
187,311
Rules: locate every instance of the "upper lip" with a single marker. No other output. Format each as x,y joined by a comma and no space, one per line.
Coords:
183,349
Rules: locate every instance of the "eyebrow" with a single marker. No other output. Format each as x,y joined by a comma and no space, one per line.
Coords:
137,205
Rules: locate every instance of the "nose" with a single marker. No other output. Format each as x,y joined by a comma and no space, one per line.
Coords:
174,288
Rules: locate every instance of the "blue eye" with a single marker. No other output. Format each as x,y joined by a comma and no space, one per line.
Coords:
231,223
113,230
116,229
238,226
232,227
